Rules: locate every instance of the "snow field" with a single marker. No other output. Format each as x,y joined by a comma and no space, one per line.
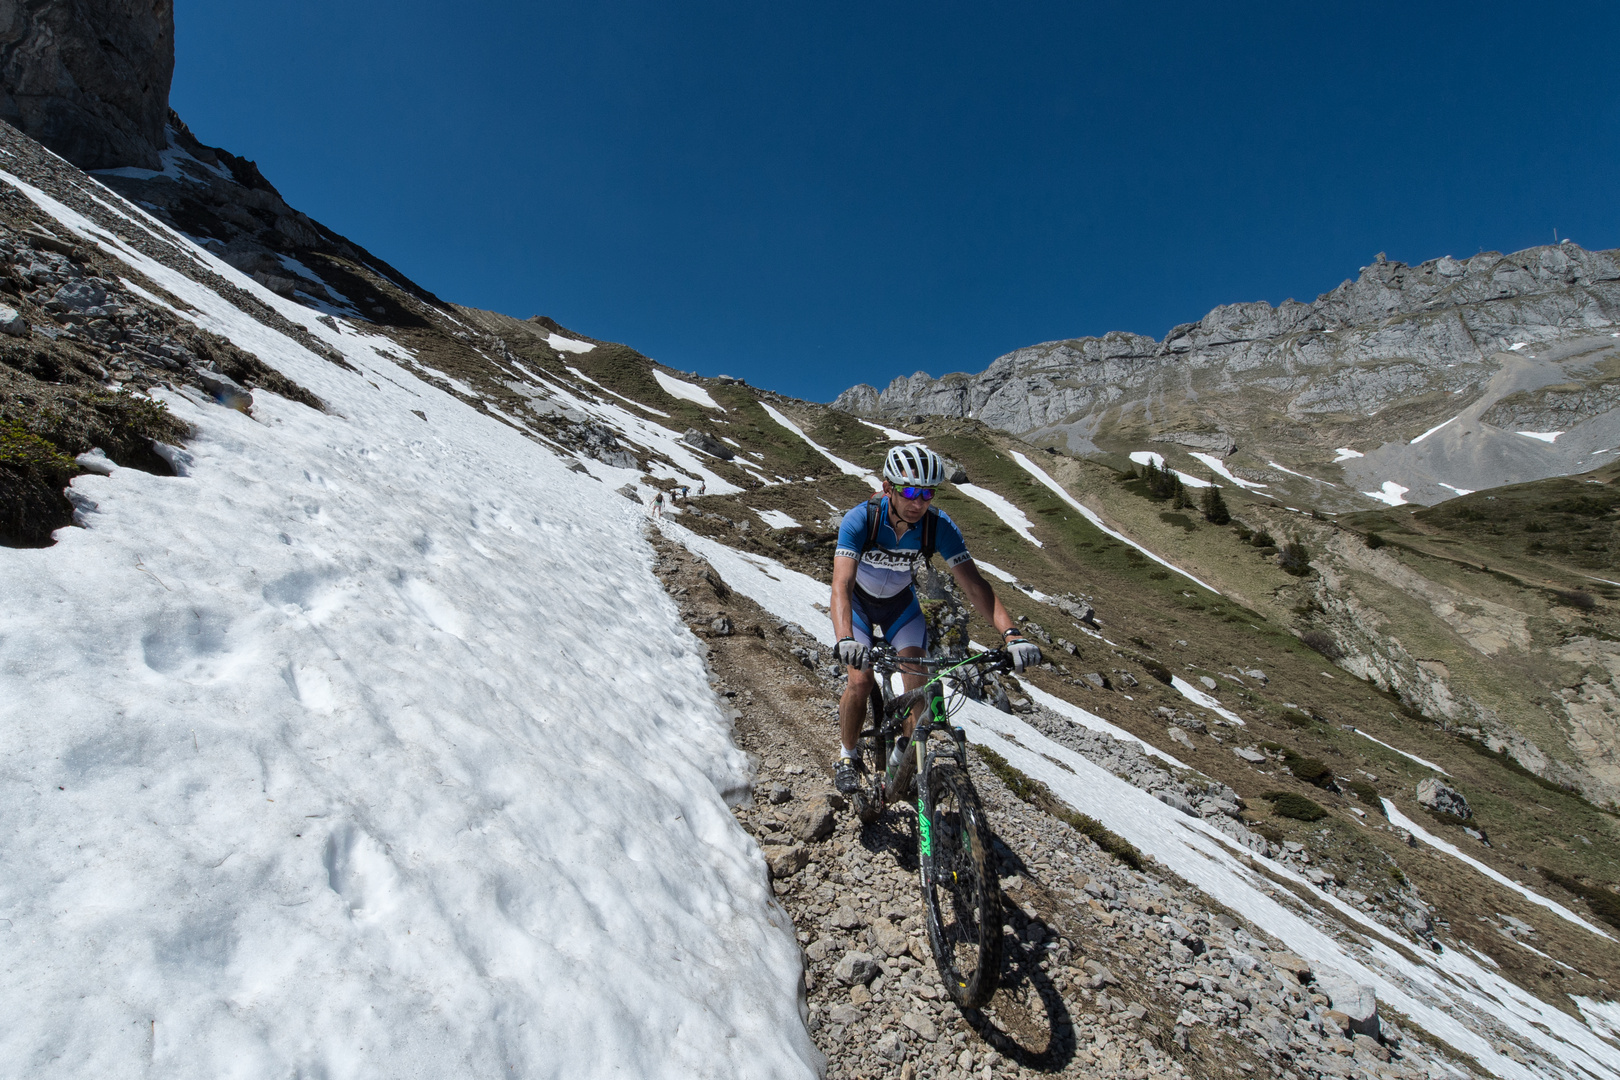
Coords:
1448,994
371,746
568,344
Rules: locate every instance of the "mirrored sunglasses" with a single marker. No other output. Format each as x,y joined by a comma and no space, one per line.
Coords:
917,493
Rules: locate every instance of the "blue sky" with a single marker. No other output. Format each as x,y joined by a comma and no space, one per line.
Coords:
813,195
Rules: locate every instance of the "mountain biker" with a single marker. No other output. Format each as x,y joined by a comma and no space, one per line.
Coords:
872,585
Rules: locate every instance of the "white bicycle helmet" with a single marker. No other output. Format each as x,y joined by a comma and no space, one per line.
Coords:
914,465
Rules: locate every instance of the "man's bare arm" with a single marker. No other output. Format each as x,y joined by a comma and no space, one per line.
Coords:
843,583
979,594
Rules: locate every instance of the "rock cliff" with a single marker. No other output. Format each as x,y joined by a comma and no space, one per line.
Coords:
1403,344
89,78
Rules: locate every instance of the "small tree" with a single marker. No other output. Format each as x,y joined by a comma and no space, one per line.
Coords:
1214,507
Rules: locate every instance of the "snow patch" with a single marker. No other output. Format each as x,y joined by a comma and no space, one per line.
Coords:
1421,761
1345,454
1203,700
578,374
845,467
568,344
776,519
890,433
1142,457
1431,431
1391,493
1458,490
1543,436
1014,518
1086,719
1402,821
1218,467
686,391
1090,515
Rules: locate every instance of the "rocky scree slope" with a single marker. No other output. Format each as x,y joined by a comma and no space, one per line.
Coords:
1374,363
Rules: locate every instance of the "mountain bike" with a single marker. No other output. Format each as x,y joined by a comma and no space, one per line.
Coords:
961,891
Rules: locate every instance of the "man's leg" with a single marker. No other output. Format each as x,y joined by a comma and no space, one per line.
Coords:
911,679
852,706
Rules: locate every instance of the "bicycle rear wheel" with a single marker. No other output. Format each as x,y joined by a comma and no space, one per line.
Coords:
960,889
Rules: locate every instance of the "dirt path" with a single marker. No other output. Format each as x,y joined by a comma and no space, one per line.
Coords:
1108,971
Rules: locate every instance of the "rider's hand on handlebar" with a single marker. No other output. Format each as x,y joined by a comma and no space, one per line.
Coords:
1024,653
853,653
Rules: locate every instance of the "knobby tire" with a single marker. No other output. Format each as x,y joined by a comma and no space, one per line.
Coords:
963,899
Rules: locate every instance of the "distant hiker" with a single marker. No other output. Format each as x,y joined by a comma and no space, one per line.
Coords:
658,505
703,485
879,545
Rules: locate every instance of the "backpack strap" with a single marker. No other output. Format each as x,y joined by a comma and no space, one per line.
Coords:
930,526
874,518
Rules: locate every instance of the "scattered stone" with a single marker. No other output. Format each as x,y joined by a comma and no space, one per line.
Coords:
923,1026
855,967
1292,964
779,794
889,939
846,919
1253,757
786,862
815,822
891,1046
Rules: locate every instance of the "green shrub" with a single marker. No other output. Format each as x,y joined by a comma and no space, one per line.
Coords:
1263,539
1287,804
1295,558
1375,541
1367,794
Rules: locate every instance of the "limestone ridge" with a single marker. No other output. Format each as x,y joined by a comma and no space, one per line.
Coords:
89,78
1299,373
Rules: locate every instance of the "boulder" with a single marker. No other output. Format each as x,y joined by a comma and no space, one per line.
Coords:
702,440
1435,794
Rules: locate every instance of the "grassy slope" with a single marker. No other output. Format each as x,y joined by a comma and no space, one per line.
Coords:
1150,613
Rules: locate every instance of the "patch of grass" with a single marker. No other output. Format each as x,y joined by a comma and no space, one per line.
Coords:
22,450
1269,831
1375,540
1367,794
1037,795
1575,598
1287,804
1603,902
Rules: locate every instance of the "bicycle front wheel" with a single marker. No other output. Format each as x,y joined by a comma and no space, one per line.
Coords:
960,889
868,803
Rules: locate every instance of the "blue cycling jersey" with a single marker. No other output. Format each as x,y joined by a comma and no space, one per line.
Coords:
885,568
